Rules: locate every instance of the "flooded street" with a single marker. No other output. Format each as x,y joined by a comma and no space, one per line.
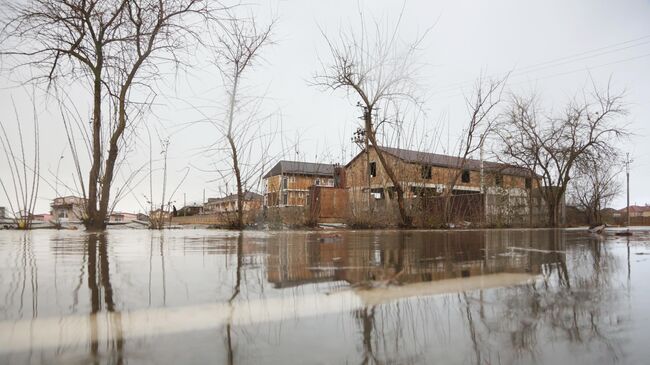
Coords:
355,297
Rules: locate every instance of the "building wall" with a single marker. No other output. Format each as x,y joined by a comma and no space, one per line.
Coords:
70,208
122,217
231,206
296,189
328,203
410,174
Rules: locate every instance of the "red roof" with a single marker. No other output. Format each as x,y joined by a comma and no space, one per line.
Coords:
636,209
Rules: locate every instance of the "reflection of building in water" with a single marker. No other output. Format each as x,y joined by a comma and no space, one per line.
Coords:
407,257
297,259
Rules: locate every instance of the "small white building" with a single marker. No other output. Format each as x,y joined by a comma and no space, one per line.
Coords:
68,208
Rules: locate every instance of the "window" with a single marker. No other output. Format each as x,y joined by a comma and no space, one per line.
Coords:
317,182
426,172
285,183
285,199
373,169
465,176
529,183
498,180
377,193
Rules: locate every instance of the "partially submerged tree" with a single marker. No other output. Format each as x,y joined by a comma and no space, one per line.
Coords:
116,47
552,146
596,184
379,71
24,171
238,49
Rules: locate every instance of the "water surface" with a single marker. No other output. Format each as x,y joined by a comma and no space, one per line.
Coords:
368,297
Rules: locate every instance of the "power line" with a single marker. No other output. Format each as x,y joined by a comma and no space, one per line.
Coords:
618,47
561,73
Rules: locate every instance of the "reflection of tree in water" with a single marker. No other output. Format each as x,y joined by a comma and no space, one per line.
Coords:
366,319
23,284
565,305
236,291
99,284
379,324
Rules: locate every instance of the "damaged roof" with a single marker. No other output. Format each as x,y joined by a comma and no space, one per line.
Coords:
301,168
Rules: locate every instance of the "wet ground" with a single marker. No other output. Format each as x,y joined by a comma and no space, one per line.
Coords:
384,297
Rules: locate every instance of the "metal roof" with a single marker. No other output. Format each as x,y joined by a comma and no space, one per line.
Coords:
301,168
434,159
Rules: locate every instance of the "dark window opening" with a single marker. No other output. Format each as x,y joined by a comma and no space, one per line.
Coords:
285,183
377,193
373,169
426,172
498,180
529,183
465,176
423,192
285,199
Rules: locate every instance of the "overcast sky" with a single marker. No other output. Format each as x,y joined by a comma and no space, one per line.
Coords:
551,47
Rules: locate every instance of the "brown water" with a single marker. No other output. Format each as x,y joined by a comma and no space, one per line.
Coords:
207,296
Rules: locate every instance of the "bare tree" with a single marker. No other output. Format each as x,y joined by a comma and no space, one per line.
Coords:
482,117
117,47
596,184
24,173
237,50
379,71
552,146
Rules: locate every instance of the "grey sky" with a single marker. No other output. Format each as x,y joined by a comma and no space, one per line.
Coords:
590,37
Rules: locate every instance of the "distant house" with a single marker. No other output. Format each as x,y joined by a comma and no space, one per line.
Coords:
159,214
636,211
118,217
68,208
252,201
288,182
189,210
43,217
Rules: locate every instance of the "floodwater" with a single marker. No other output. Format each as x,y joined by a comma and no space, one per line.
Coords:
365,297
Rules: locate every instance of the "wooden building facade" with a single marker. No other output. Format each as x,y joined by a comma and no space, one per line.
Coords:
287,184
428,173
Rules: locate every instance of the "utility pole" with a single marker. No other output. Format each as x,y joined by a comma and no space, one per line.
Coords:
360,137
627,173
483,192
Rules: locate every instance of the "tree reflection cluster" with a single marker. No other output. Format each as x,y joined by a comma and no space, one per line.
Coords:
568,301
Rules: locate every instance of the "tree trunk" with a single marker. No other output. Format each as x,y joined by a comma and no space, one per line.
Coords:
113,150
92,221
405,219
239,221
553,213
